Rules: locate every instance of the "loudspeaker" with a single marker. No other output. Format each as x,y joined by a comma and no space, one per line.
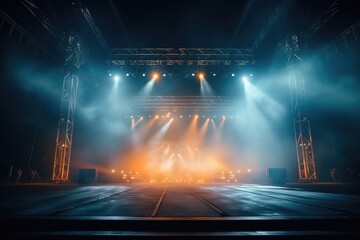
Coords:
277,175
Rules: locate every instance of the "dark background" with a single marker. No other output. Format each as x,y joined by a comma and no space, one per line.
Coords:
31,86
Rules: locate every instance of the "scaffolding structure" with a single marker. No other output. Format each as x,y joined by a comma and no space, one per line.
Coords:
303,138
181,56
73,53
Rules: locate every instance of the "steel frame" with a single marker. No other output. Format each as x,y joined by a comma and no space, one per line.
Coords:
181,56
180,102
303,138
67,110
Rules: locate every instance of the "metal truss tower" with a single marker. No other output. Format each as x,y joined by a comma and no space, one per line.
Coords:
303,139
73,61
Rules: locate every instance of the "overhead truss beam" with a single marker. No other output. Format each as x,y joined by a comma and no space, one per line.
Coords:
181,102
278,12
352,32
325,17
41,17
180,56
90,20
24,37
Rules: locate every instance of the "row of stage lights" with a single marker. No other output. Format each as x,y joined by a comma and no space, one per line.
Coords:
181,116
157,75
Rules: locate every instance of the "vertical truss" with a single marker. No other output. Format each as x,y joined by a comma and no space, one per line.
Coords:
303,139
67,110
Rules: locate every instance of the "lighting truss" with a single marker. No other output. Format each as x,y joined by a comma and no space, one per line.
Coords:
303,138
67,110
181,56
181,102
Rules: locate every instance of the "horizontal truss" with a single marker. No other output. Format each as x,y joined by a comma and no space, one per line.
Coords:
181,102
181,56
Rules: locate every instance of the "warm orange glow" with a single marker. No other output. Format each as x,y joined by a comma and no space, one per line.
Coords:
155,76
201,76
203,129
113,170
168,151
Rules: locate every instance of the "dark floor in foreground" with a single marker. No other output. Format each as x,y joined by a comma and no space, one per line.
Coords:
154,211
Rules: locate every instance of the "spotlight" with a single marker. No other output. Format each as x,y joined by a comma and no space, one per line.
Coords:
164,74
109,74
201,76
143,74
155,76
251,74
244,79
196,116
116,78
127,74
193,74
157,116
214,74
233,74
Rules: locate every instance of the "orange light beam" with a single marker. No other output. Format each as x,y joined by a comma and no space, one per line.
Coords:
203,129
191,129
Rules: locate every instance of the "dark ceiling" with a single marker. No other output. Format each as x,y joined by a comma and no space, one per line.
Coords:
157,24
184,23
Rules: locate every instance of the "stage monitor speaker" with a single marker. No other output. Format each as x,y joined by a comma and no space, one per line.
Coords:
277,175
87,176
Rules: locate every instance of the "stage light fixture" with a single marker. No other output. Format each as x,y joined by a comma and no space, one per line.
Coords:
155,76
233,74
116,78
143,75
244,79
164,74
109,74
214,74
193,74
127,74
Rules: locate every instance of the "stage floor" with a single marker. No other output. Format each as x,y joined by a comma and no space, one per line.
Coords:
293,208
